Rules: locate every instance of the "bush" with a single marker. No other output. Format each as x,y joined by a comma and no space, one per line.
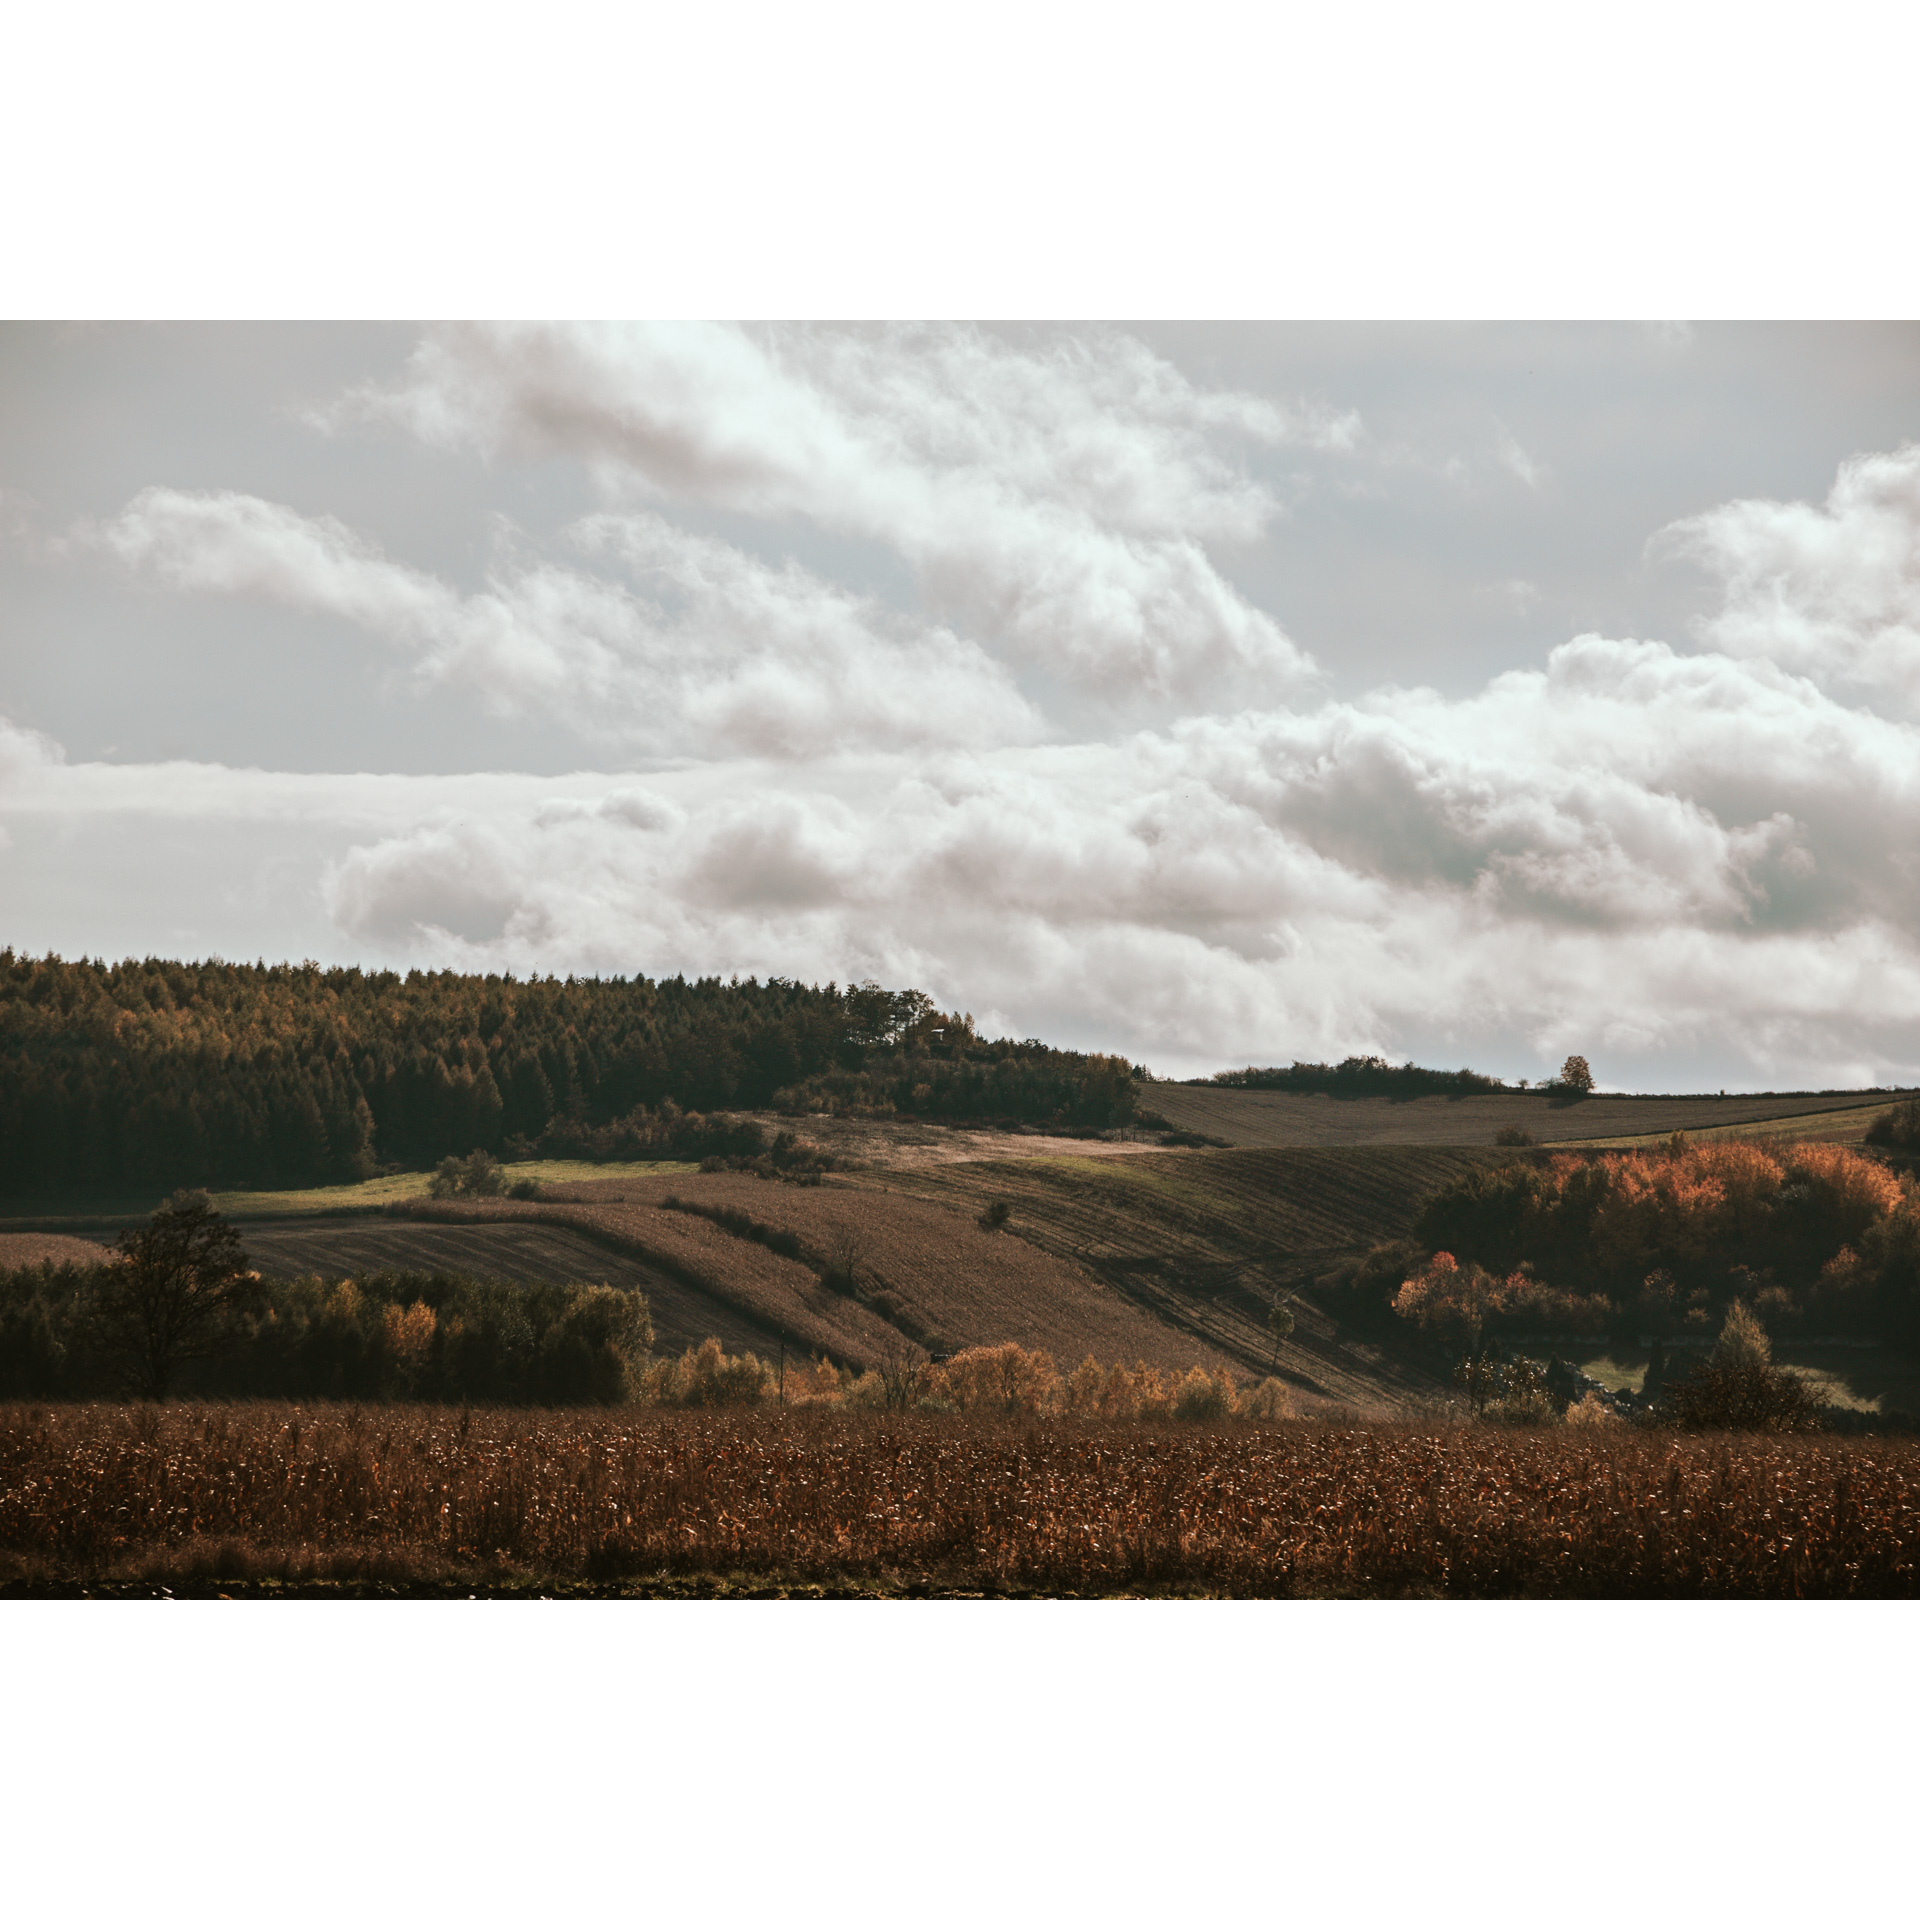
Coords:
1743,1340
1203,1396
1007,1380
1898,1127
1743,1399
1270,1400
705,1376
475,1177
995,1216
1514,1137
1592,1411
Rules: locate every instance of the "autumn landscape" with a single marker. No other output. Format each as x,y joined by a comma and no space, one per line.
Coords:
673,1287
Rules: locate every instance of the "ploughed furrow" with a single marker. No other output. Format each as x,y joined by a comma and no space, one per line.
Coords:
1267,1117
1207,1241
683,1315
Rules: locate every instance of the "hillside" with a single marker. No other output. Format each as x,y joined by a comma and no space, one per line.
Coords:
1206,1240
1255,1117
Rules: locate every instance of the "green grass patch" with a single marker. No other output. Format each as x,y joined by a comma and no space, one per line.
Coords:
368,1196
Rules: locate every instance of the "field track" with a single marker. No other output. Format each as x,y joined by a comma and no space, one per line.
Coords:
1255,1117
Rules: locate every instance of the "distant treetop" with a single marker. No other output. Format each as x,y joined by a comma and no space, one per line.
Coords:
1358,1076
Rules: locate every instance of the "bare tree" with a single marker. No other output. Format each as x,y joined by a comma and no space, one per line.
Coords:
1280,1324
900,1372
845,1252
175,1294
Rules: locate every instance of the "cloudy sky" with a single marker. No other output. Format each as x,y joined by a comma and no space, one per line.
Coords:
1215,694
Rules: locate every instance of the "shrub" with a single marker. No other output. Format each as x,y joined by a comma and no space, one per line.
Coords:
1743,1340
1898,1127
1747,1399
474,1177
524,1190
705,1376
1270,1400
1007,1380
1592,1411
1514,1137
1203,1396
1084,1386
995,1216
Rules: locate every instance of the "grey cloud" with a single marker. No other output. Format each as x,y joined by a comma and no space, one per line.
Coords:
718,649
1058,500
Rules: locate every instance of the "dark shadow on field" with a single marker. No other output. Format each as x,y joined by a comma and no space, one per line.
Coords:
683,1316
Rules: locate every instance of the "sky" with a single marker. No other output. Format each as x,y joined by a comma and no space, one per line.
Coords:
1214,694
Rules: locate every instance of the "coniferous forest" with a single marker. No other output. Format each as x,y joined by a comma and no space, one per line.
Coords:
163,1073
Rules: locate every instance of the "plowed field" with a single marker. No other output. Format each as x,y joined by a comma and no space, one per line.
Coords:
683,1315
30,1249
1204,1240
1254,1117
925,1276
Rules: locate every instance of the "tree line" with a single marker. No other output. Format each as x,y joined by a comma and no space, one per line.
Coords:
1811,1239
164,1073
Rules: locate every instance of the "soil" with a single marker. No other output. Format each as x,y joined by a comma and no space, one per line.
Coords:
1255,1117
683,1315
31,1249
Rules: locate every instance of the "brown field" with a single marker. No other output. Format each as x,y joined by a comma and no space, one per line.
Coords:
277,1498
1254,1117
683,1315
30,1249
1204,1240
929,1278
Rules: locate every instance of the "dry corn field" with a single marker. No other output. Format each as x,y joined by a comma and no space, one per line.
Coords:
277,1498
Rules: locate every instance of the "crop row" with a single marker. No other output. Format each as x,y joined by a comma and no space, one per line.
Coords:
1082,1507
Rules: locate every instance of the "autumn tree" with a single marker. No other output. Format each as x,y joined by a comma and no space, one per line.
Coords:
175,1294
1446,1298
1576,1076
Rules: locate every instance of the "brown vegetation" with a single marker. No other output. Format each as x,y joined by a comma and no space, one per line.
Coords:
457,1500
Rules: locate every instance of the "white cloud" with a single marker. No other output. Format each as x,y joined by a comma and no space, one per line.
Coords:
1056,502
1518,461
1629,852
1832,592
24,754
1693,858
710,650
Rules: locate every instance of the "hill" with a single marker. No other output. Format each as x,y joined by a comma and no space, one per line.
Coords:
1256,1117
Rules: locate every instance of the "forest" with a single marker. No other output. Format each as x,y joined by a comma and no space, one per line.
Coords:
163,1073
1816,1240
1362,1077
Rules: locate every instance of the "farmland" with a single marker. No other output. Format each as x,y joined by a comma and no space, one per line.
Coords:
1256,1117
273,1498
1204,1240
1168,1256
683,1315
923,1272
